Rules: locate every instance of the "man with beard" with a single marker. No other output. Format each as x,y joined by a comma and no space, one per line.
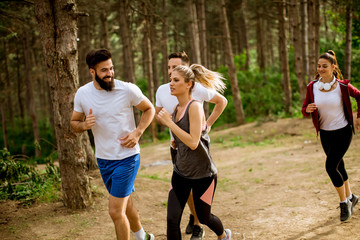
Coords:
108,106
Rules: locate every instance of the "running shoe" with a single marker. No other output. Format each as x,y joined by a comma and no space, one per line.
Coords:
345,210
354,201
228,234
190,226
149,236
198,233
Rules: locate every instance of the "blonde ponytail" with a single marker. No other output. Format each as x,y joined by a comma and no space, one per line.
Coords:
208,78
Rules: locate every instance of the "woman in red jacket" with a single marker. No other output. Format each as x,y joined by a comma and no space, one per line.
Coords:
328,103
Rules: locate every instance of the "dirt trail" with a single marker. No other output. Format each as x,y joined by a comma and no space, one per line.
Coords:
271,185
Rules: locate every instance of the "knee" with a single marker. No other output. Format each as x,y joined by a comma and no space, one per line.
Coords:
203,220
116,214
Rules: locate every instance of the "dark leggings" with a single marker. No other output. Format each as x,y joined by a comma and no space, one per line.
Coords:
178,197
335,144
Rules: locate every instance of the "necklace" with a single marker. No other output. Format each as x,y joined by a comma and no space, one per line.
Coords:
326,86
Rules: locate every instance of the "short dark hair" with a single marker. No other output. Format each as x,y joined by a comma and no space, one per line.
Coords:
97,55
182,55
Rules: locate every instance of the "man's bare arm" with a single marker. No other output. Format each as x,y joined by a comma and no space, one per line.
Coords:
220,103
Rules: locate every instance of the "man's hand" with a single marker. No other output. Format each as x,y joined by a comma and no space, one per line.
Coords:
131,139
357,124
90,120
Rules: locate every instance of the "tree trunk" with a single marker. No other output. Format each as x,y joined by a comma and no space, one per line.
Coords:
295,23
326,26
148,60
104,29
164,48
347,63
19,88
30,95
283,53
202,34
317,29
260,38
3,114
57,25
84,47
240,117
311,38
8,88
244,41
194,33
304,38
91,162
129,69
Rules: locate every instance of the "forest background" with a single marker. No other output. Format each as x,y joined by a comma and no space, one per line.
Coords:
267,50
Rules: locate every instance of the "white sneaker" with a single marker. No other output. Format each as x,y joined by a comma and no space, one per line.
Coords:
228,234
149,236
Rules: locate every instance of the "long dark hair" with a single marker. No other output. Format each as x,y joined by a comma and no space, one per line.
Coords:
330,56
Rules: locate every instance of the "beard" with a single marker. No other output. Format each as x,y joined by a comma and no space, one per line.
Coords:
107,86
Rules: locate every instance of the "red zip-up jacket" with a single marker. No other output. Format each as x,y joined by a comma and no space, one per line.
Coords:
347,90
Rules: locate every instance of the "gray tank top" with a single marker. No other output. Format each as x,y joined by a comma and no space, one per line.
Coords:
192,164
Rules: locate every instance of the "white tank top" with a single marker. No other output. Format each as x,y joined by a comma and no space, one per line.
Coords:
330,107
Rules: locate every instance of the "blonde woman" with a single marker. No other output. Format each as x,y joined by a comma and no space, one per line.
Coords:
193,166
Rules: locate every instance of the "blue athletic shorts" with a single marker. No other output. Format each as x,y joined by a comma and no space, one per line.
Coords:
119,175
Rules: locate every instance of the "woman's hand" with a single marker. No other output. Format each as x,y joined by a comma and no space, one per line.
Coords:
164,117
311,108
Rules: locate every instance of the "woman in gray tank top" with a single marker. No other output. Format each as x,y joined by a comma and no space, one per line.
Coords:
193,166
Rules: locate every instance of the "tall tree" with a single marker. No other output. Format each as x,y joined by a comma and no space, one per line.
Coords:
194,32
311,37
30,93
148,59
202,34
347,63
304,37
240,116
296,26
260,35
164,42
127,47
283,53
57,25
317,29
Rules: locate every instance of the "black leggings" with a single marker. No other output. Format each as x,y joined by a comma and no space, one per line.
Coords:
335,144
203,193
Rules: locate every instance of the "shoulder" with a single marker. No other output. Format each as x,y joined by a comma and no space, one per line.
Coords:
195,106
344,82
85,88
163,88
200,87
312,82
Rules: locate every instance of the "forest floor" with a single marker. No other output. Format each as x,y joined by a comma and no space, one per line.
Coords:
271,185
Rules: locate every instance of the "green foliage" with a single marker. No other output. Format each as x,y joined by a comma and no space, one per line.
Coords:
261,93
21,139
19,181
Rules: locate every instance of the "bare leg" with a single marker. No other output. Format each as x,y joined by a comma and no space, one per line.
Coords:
191,204
347,188
133,216
117,209
341,192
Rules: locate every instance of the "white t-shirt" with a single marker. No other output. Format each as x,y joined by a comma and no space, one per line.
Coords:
330,107
165,100
114,116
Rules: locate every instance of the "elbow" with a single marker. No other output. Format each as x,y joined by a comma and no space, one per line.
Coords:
225,102
194,146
